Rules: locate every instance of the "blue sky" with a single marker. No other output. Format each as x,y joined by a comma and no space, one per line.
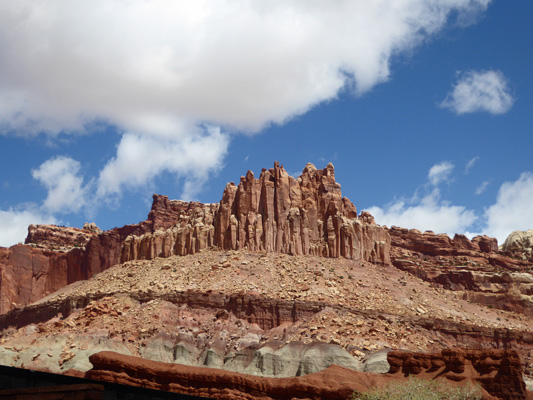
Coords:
423,106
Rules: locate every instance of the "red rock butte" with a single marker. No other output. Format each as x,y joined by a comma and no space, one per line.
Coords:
275,213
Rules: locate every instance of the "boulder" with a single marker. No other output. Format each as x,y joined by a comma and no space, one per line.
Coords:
377,362
519,244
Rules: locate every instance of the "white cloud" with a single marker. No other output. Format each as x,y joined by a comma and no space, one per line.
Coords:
429,213
513,209
15,222
141,158
481,188
470,164
480,91
440,173
66,191
158,70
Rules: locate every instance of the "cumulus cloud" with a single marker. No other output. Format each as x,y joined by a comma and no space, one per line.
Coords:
66,190
140,158
513,209
15,222
480,91
428,213
440,172
153,68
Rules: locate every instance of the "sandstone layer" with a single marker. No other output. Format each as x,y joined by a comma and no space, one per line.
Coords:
282,278
474,268
264,314
275,213
497,371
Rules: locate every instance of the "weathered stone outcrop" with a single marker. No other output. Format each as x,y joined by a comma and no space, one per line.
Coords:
498,372
59,238
177,228
275,213
431,244
31,272
275,359
28,274
333,383
519,244
476,267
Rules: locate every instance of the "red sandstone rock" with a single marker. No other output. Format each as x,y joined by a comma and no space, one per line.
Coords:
58,238
275,213
28,274
497,371
475,266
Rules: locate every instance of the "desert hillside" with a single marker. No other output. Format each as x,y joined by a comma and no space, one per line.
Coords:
280,279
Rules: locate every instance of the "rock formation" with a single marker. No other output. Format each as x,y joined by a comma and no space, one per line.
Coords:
475,267
51,260
60,238
497,371
519,244
275,213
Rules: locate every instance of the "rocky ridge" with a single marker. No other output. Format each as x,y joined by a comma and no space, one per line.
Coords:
228,310
281,278
519,244
475,268
276,213
335,382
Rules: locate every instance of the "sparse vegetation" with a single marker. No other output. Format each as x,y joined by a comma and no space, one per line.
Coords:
421,389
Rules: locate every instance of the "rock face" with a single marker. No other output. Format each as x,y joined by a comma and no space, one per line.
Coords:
432,244
497,371
28,274
275,213
273,359
32,271
475,267
333,383
60,238
519,244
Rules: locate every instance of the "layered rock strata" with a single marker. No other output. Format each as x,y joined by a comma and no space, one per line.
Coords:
275,213
60,238
475,267
497,371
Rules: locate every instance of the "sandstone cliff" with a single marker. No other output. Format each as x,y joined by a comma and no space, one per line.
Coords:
475,268
275,213
497,371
